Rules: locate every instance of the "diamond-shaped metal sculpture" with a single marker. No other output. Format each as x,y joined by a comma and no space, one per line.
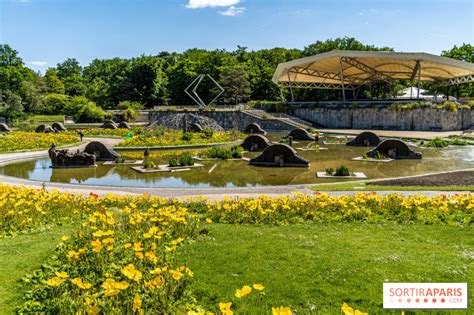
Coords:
192,93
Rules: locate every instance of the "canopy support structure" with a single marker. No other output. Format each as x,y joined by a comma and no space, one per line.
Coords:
419,79
342,81
291,90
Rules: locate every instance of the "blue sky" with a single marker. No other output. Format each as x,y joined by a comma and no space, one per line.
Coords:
46,32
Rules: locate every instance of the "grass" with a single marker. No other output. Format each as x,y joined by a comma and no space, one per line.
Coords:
366,186
46,118
323,265
20,255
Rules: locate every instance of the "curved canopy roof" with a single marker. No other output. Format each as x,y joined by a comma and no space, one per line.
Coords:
353,68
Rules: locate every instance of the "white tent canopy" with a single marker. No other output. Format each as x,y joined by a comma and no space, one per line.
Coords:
349,69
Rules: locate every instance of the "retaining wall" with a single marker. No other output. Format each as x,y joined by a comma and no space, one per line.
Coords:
420,119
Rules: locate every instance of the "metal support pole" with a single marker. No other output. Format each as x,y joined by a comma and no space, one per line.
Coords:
418,85
291,90
342,82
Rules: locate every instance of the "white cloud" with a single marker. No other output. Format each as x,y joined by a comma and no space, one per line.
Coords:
199,4
232,11
38,63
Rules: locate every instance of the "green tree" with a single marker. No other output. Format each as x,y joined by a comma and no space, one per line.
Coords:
53,83
344,43
234,81
465,52
70,72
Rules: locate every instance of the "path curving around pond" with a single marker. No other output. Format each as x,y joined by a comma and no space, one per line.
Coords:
214,193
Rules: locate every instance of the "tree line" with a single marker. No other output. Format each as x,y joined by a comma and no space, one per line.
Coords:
147,81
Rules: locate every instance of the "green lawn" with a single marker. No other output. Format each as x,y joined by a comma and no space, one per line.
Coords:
20,255
321,266
46,118
362,186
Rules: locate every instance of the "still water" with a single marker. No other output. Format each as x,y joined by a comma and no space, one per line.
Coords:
240,173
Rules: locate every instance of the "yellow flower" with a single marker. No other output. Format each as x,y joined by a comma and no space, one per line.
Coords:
347,310
113,288
137,247
176,274
239,293
54,281
258,286
208,220
155,283
151,256
81,284
131,273
92,310
281,311
72,254
225,308
96,246
62,274
137,304
64,238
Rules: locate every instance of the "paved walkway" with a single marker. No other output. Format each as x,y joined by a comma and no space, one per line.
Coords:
210,193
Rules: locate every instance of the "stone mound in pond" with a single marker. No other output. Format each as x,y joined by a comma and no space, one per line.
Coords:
109,125
101,151
58,126
4,128
300,134
395,149
254,128
279,154
195,127
365,139
44,129
255,143
124,125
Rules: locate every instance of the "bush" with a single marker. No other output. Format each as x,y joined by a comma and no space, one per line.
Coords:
120,160
186,160
436,143
173,162
130,105
149,164
237,152
329,170
342,171
187,136
208,133
90,113
129,114
219,153
54,103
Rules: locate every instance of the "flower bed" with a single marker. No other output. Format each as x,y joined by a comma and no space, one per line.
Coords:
176,138
121,259
21,141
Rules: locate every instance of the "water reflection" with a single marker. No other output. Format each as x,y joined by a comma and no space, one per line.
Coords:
241,174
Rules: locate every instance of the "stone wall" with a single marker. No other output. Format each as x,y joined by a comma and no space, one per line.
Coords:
231,119
423,119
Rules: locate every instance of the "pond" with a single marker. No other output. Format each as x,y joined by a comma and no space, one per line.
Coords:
240,173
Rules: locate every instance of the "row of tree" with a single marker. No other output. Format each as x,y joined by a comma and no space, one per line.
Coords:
162,78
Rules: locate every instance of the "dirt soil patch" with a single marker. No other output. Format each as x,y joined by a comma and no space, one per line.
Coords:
461,178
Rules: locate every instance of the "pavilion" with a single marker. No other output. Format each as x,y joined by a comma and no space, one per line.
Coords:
349,70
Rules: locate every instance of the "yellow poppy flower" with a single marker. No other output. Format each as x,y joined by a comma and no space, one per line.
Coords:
131,273
245,290
281,310
54,281
258,286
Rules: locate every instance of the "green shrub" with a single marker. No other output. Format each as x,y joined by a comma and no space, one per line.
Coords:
129,114
120,160
149,164
219,153
458,141
380,156
129,104
207,133
173,162
342,171
54,103
187,136
436,143
329,170
237,152
186,160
